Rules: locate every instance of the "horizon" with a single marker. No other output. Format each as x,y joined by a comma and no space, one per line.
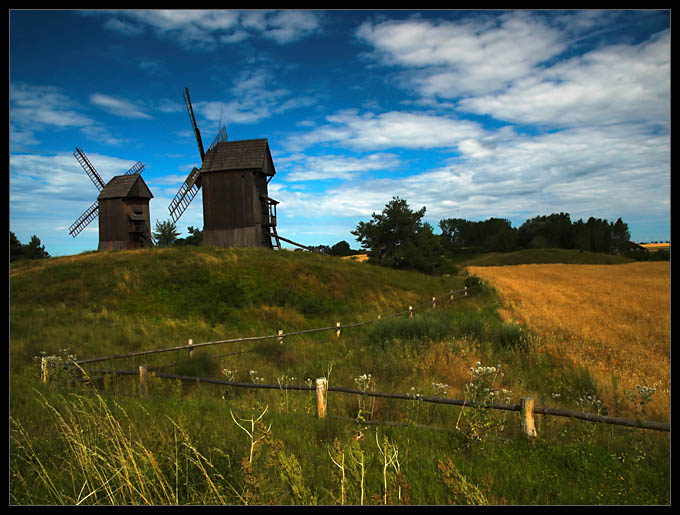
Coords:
471,114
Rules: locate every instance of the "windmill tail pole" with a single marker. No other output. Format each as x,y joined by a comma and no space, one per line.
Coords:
295,243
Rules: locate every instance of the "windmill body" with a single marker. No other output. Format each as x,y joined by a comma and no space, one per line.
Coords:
124,218
237,210
122,207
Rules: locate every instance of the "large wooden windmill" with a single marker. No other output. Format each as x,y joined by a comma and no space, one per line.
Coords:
237,211
122,207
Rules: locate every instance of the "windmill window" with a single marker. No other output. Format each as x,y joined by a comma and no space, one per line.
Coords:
137,210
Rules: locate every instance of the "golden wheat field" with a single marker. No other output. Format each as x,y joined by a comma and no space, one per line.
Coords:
614,319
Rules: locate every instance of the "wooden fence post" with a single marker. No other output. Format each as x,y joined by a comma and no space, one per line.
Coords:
410,311
527,418
451,295
337,332
281,336
434,302
466,291
44,371
191,351
321,396
143,383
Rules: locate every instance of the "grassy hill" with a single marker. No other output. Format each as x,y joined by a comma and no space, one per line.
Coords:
182,444
113,302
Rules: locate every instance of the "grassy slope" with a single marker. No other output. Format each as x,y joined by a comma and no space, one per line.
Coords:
113,302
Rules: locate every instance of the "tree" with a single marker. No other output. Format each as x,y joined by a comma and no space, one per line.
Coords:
195,237
397,237
455,232
492,235
34,249
16,250
341,248
165,233
620,235
554,230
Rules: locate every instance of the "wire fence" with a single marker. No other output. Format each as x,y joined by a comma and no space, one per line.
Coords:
448,297
463,403
526,407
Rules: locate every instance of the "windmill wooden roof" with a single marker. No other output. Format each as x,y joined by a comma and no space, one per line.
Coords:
125,186
250,154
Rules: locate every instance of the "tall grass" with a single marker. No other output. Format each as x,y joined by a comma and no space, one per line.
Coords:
96,442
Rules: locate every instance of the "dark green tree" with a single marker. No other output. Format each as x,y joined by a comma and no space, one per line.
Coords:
165,233
34,249
341,249
195,237
620,235
398,238
455,232
16,249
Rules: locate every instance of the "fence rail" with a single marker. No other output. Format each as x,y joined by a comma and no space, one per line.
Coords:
450,296
535,410
526,407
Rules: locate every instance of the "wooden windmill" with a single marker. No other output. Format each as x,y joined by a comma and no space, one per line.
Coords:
237,211
122,207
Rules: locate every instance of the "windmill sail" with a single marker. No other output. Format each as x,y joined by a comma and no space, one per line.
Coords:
84,219
186,193
137,168
197,133
221,137
89,169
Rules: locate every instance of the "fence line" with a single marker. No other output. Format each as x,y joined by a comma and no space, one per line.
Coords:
280,335
526,407
589,417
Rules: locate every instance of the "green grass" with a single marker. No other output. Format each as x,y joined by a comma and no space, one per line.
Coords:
105,445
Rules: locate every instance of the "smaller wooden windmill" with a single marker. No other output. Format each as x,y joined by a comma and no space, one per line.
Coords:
122,207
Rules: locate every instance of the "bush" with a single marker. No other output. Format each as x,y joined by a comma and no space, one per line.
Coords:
510,336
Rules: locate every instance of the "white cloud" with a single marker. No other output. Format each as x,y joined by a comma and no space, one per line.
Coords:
36,108
311,168
118,106
615,84
256,96
407,130
470,56
620,171
210,28
33,106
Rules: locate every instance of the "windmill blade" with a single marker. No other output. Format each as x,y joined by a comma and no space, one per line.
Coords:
89,169
221,137
136,169
84,219
192,118
186,193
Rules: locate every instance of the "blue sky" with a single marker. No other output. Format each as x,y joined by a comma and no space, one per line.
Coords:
472,114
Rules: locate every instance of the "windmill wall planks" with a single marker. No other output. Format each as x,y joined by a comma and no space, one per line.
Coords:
234,182
124,218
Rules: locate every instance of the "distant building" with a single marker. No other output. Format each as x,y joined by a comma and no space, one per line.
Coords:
635,247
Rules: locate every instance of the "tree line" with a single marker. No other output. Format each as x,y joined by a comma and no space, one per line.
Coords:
548,231
397,237
34,249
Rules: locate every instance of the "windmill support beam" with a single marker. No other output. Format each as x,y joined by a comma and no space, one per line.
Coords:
293,242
